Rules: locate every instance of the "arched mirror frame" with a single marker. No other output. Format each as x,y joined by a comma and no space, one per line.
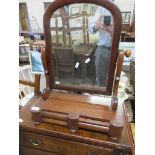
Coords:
117,19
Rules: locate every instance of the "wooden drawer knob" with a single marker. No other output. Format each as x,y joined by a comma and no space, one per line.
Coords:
128,53
72,122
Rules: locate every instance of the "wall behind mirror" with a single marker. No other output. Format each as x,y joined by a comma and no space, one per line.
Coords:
36,8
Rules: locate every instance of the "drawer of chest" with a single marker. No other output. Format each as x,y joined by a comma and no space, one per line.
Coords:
30,151
61,146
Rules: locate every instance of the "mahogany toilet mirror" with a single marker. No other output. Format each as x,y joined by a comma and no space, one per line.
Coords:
110,88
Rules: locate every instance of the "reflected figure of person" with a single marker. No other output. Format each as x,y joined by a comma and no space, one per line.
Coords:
102,52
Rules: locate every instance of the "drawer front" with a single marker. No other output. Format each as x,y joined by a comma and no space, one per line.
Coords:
61,146
30,151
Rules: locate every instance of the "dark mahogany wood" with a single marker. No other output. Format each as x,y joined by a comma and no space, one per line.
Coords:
58,139
60,111
114,102
46,92
131,139
72,124
127,53
114,50
79,111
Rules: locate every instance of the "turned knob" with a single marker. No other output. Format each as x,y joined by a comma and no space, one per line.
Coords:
72,122
127,53
36,115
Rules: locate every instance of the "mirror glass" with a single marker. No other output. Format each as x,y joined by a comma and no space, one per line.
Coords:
81,41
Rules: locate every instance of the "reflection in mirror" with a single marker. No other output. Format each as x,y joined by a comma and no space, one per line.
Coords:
81,38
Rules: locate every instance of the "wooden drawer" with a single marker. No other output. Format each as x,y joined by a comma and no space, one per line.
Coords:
61,146
30,151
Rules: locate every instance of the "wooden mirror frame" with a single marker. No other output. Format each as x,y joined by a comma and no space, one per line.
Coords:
117,19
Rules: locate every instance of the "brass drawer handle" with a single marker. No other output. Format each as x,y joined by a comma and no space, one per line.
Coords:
35,143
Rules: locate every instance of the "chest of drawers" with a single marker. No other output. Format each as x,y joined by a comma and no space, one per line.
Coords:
60,146
50,139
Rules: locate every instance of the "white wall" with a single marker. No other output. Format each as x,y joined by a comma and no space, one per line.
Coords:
125,5
36,8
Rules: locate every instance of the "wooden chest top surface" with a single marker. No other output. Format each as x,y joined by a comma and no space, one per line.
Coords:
90,106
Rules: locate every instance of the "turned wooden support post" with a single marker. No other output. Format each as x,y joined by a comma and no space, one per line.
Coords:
37,84
46,92
72,122
119,69
114,102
